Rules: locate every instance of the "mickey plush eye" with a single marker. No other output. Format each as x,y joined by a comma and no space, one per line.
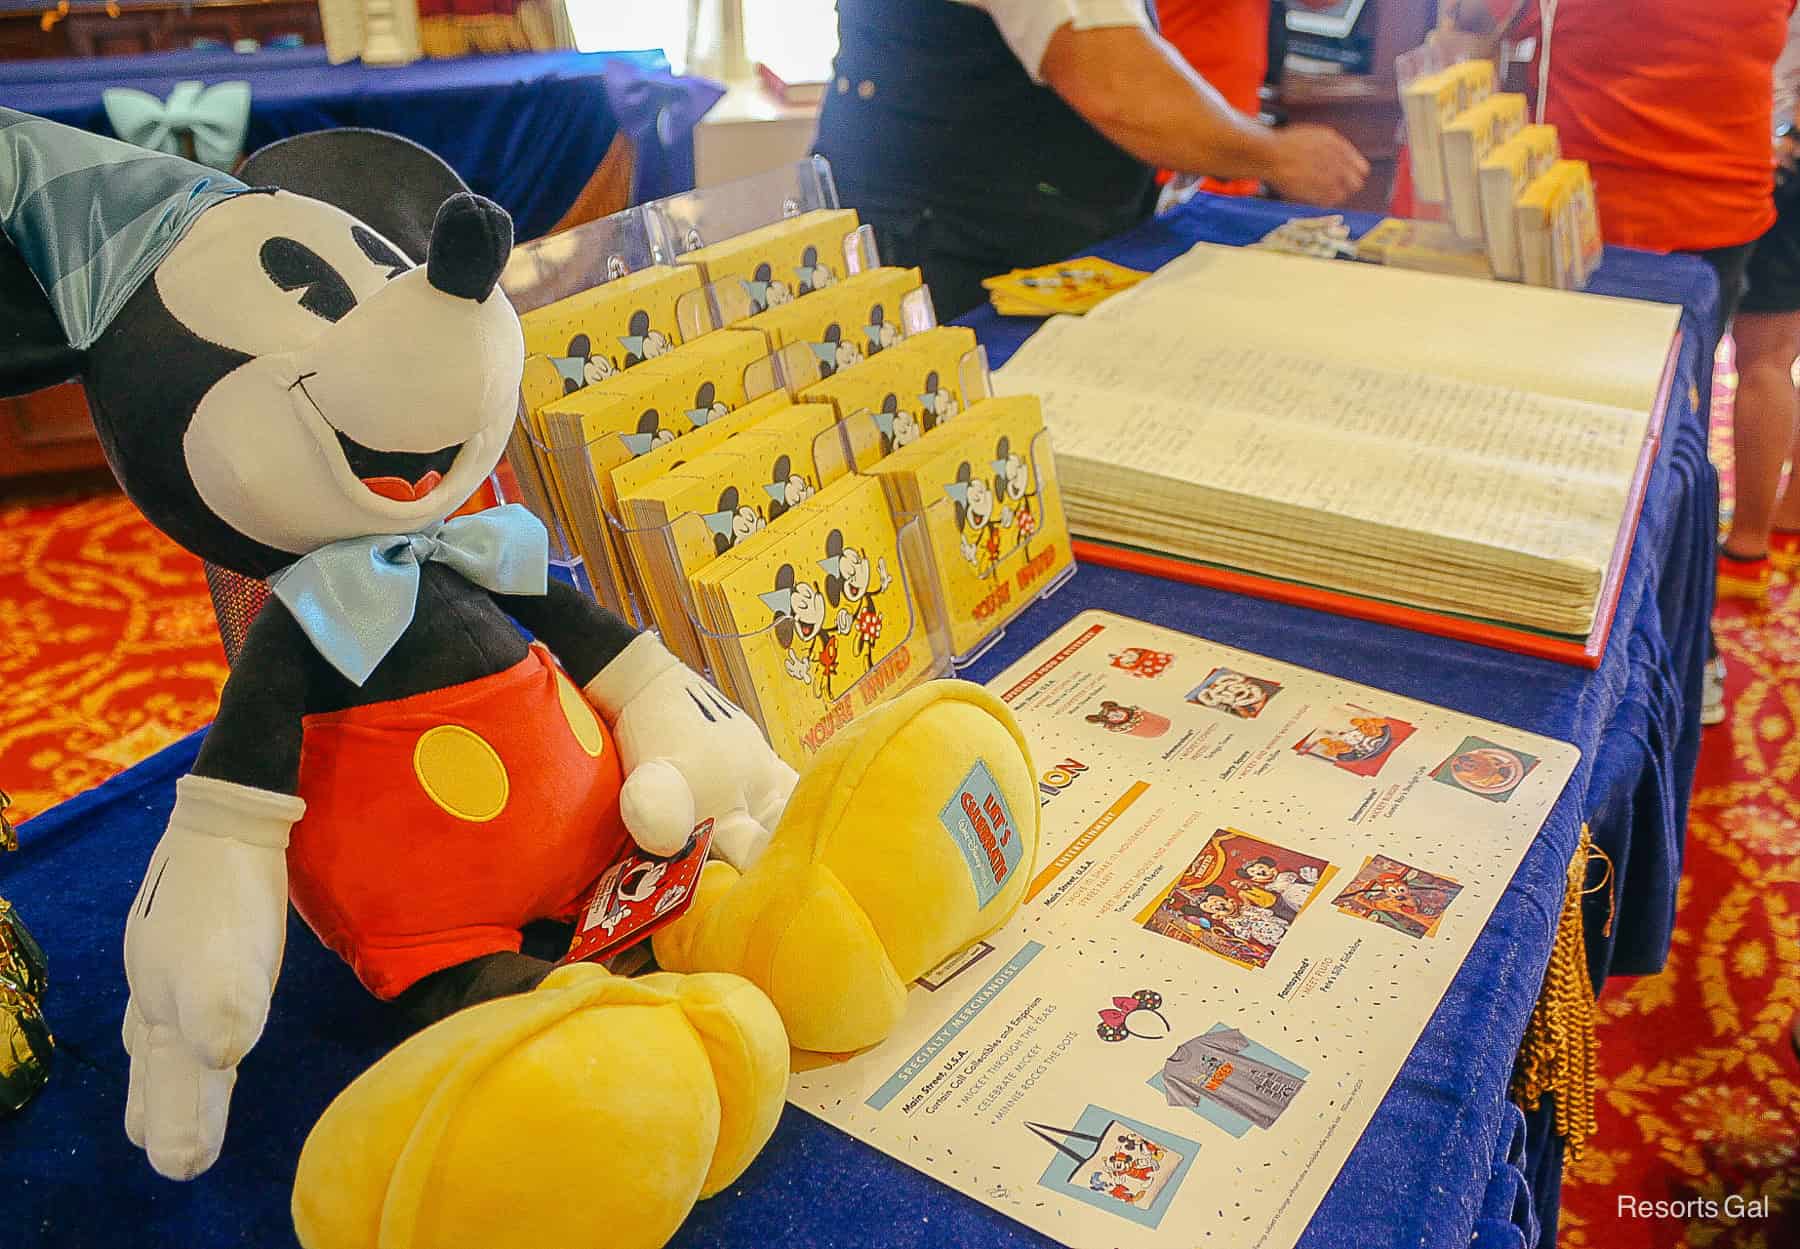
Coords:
376,248
293,266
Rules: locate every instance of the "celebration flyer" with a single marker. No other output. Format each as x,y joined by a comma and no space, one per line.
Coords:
1255,884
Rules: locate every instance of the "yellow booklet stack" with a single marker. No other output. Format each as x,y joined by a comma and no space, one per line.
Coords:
1559,227
1429,104
1072,286
1510,199
1503,176
816,502
811,621
985,488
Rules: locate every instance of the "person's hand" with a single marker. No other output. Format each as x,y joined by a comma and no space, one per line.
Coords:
1787,155
1315,165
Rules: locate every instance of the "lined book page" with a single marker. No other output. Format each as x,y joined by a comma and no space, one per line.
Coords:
1517,473
1580,346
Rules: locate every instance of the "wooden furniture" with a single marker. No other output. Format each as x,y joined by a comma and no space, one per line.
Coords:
150,26
47,431
1365,107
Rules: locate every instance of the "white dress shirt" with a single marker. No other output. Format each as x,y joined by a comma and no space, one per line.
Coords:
1027,25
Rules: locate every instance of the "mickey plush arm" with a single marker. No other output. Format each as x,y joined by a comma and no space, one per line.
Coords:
687,751
204,939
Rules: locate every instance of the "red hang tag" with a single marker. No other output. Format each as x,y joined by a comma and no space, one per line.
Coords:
636,896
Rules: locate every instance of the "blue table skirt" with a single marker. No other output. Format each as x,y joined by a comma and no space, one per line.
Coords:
1446,1158
526,129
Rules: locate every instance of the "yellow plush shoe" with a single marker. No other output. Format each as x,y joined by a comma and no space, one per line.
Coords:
503,1125
910,837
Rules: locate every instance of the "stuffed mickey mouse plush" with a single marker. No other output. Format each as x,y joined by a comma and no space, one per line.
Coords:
299,374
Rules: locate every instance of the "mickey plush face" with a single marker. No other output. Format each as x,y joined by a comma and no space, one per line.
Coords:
317,363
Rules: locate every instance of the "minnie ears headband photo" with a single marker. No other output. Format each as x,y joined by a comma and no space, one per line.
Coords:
1119,1021
85,220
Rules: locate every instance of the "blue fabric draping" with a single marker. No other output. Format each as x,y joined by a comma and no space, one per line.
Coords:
1446,1161
525,129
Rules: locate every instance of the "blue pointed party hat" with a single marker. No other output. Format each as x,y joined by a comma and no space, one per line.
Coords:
93,217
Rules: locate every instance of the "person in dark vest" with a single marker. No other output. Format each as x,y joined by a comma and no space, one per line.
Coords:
979,136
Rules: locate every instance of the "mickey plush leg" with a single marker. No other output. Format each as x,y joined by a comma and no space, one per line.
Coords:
911,836
445,992
671,725
203,945
593,1108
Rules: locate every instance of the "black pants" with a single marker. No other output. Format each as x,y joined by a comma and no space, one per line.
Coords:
956,245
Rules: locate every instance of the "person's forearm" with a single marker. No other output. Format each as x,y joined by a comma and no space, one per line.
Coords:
1134,88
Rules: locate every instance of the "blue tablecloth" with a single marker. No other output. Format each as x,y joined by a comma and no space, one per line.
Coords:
526,129
1446,1159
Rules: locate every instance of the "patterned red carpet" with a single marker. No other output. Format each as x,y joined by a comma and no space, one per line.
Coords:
108,652
1699,1091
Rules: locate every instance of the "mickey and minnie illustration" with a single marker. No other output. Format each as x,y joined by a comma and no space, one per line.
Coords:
985,511
836,352
901,427
766,291
735,519
852,584
583,366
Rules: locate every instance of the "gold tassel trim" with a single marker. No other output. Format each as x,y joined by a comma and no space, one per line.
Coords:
458,35
1560,1052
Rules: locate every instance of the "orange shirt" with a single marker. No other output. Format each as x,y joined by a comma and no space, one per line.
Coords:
1669,102
1227,43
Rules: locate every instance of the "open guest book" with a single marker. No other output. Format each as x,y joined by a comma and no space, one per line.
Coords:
1463,458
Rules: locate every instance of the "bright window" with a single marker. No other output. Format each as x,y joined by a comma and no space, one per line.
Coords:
618,25
797,38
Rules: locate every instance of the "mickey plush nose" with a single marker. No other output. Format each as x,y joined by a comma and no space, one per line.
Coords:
470,241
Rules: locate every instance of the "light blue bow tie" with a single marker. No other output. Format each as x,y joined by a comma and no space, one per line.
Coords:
216,117
356,597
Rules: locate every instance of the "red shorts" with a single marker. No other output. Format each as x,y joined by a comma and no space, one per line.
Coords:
437,826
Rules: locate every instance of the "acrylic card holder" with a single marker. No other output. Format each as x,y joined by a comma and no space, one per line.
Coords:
539,273
1006,537
805,701
701,218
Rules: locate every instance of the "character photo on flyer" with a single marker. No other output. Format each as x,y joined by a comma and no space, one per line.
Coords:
1116,1164
1238,897
1485,769
1356,740
1234,693
1141,662
1404,898
1126,718
1230,1080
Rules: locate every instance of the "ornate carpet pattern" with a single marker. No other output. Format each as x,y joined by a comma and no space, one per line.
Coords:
1699,1101
108,651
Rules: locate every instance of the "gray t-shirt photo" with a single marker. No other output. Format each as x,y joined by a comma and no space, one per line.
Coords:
1213,1068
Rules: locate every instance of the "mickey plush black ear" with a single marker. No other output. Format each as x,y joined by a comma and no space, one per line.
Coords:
389,183
34,350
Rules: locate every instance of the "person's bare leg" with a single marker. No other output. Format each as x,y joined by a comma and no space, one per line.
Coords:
1763,424
1787,511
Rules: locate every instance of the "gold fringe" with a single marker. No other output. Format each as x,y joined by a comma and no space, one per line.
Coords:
1560,1051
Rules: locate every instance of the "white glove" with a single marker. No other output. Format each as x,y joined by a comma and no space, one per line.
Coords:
203,946
671,725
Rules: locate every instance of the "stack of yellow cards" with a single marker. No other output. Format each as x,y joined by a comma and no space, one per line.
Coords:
986,487
678,523
908,389
1073,286
776,264
809,622
595,429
